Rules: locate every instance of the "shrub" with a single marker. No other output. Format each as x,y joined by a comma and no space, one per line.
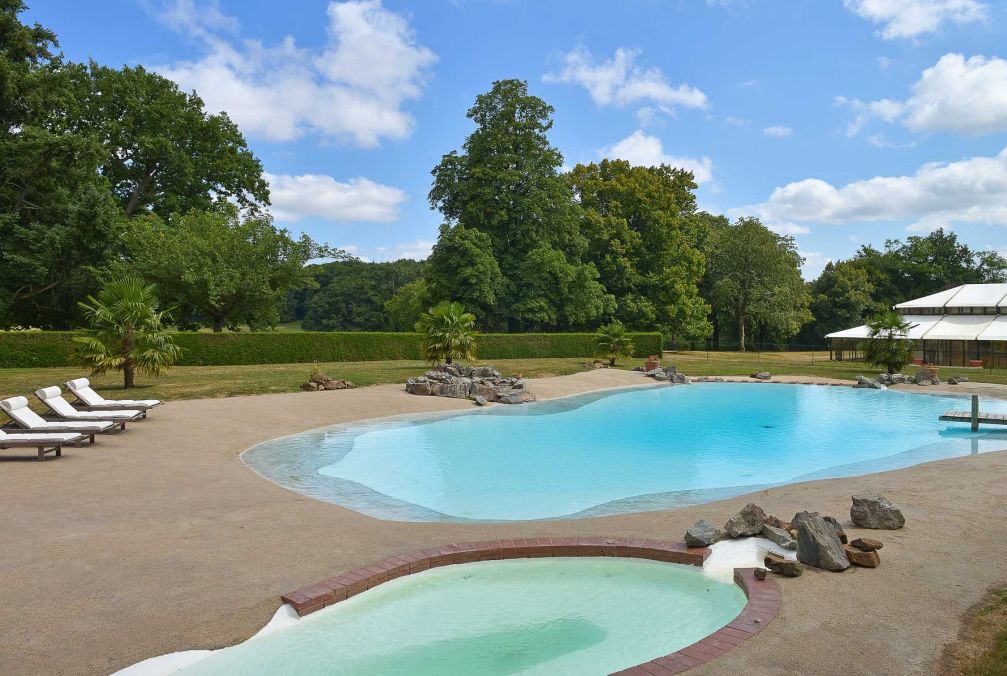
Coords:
56,348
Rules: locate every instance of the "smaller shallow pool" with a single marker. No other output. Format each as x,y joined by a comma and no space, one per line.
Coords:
527,616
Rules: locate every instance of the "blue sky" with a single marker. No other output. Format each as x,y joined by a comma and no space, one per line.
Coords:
838,121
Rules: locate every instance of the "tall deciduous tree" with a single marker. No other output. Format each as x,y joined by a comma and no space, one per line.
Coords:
163,152
841,297
756,277
219,268
462,267
644,239
57,217
506,183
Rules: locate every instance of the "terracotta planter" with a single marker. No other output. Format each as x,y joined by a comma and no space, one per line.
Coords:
652,363
976,363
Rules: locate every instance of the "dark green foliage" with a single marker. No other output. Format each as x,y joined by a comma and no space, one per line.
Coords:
461,267
644,238
31,349
353,294
21,349
888,345
506,184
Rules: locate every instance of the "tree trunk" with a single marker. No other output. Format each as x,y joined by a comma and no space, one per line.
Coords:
218,325
448,360
741,332
611,361
127,373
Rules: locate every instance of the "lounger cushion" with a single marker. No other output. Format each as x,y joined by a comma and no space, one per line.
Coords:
40,438
77,383
48,392
14,403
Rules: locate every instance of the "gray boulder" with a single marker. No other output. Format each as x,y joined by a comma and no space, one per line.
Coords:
680,378
479,400
863,381
749,521
763,375
779,536
800,518
418,386
660,375
819,546
870,510
702,534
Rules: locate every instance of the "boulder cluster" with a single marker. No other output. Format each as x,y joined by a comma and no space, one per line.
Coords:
481,384
318,382
819,541
923,377
761,375
669,374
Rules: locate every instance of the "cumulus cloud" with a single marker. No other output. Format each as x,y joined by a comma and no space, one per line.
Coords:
295,198
418,250
648,151
353,88
972,190
814,263
621,81
957,94
911,18
778,131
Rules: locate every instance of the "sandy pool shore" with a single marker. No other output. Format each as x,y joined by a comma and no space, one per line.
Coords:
160,540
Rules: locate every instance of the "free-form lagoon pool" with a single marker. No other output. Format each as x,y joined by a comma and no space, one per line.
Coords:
528,616
623,451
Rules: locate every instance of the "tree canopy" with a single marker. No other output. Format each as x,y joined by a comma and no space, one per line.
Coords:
219,268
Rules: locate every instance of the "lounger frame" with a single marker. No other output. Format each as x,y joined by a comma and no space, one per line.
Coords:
44,447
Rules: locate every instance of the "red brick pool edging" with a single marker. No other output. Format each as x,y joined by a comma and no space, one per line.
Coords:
762,606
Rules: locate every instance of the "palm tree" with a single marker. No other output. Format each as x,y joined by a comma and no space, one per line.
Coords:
888,344
612,342
448,332
127,331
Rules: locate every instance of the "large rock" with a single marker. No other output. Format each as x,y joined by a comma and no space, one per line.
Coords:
867,544
782,566
819,546
702,534
870,510
680,378
749,521
858,557
800,518
863,381
779,536
418,386
840,532
456,390
488,392
762,375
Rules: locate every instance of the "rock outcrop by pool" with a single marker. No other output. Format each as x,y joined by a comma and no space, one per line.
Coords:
482,384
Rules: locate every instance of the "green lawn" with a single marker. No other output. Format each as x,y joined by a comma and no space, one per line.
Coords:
197,382
981,648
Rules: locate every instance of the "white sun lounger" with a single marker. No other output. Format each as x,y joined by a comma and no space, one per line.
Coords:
17,409
53,399
89,400
45,443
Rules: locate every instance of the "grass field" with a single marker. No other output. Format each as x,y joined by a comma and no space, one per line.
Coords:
981,648
197,382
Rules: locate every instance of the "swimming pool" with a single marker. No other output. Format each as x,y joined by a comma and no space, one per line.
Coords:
529,616
615,452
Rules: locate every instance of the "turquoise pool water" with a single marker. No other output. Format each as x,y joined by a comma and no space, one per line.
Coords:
527,616
616,452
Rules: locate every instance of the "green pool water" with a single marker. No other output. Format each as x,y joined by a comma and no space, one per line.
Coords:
524,616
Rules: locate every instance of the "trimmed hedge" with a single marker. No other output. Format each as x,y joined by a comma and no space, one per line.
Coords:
55,348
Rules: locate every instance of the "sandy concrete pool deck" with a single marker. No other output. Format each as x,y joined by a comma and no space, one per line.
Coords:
159,540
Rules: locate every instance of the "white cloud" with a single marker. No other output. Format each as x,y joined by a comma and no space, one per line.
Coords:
911,18
972,190
648,151
418,250
967,96
814,263
353,88
789,228
620,81
295,198
777,131
886,61
736,121
879,140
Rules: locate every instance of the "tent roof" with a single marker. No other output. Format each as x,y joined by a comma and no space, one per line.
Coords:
959,327
997,330
855,332
938,299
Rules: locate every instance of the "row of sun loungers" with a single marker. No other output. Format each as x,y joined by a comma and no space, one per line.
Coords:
68,423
